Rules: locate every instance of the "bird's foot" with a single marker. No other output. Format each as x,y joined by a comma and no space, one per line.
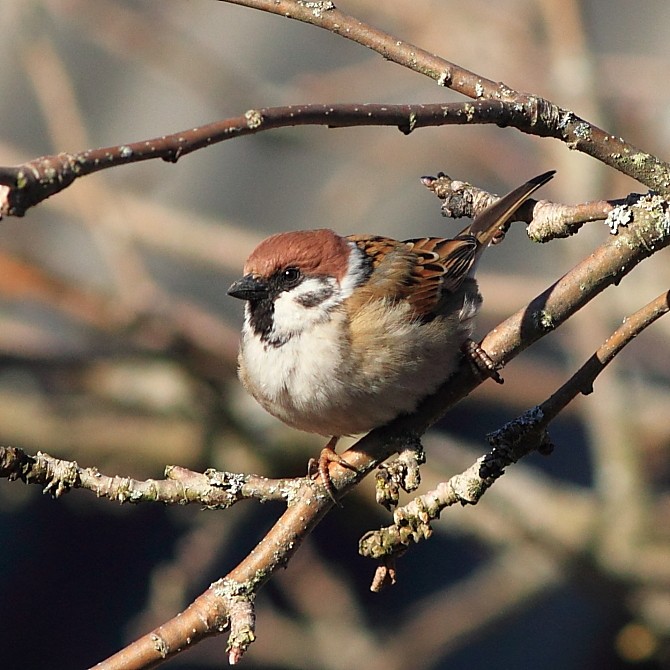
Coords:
320,467
481,361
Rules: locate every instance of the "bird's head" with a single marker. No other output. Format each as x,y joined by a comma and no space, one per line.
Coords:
295,280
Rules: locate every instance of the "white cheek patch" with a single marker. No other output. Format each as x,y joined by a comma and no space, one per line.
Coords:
311,303
295,311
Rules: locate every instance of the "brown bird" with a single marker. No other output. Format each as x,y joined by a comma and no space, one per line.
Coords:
343,334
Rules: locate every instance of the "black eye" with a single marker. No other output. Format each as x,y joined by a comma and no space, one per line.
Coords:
290,276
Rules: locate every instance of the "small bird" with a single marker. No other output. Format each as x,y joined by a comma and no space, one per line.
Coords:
343,334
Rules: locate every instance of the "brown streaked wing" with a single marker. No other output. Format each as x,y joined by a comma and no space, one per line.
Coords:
375,247
393,266
417,270
442,265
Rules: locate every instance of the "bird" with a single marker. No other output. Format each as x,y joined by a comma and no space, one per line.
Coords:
342,334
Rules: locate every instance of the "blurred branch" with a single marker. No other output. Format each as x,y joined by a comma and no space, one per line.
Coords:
56,96
140,34
165,322
487,597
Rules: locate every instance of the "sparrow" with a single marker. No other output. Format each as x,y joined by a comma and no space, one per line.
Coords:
343,334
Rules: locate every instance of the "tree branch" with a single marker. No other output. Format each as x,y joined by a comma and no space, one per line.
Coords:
24,186
566,125
518,438
213,489
229,601
546,220
648,232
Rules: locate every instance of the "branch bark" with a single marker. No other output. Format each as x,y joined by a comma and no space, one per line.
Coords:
212,489
518,438
576,132
229,601
648,233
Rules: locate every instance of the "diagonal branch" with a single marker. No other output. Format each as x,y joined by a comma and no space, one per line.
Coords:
518,438
648,232
574,131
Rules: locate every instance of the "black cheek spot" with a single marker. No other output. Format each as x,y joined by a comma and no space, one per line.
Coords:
314,298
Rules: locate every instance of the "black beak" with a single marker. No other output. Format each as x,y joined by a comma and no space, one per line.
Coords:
249,288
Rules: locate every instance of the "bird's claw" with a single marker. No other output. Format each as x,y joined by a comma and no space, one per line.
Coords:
481,361
320,468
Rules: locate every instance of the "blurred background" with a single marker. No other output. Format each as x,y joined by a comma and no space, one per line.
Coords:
118,342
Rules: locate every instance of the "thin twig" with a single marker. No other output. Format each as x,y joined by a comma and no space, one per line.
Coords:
546,220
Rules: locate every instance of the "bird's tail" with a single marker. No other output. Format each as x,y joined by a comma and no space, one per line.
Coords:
485,226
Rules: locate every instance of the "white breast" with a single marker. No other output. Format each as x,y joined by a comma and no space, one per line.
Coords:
296,382
322,381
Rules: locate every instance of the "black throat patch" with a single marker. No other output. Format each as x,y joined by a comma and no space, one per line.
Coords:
261,318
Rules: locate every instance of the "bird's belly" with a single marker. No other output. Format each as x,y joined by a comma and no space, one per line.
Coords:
298,381
309,384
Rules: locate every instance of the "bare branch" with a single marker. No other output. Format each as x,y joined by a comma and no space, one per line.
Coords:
229,601
648,233
606,266
209,614
582,381
518,438
26,185
29,184
574,131
212,489
546,220
554,220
